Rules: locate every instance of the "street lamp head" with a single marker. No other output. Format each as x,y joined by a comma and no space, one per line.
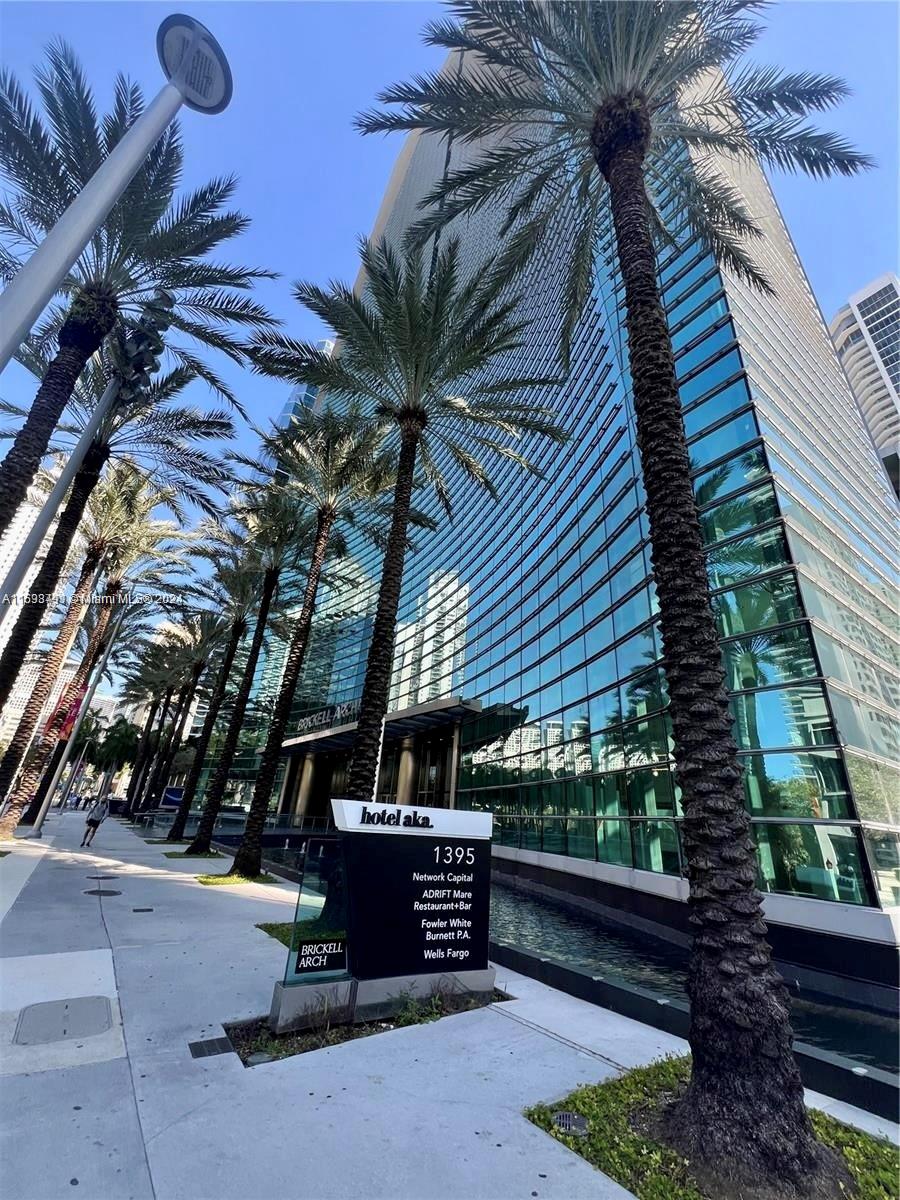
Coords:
195,63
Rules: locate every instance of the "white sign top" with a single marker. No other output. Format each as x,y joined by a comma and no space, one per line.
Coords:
195,62
354,816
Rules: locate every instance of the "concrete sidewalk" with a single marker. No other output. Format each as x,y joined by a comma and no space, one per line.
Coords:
431,1112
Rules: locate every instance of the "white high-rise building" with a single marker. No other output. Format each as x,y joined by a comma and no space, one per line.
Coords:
12,542
24,686
866,333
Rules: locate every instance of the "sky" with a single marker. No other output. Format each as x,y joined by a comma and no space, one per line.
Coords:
312,185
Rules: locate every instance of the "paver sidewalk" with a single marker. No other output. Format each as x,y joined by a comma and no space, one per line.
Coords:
431,1112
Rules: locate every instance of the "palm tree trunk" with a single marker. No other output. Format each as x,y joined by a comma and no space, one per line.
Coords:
50,669
47,579
744,1104
164,749
176,833
363,777
177,738
91,316
216,789
27,786
248,859
144,753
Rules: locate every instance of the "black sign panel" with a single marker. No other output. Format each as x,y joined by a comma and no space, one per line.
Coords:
320,954
419,905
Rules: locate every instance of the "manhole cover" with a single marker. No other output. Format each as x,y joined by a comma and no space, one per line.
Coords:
570,1122
63,1020
103,877
102,892
209,1047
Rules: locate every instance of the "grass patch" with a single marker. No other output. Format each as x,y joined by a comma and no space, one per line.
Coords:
255,1037
3,853
184,854
166,842
218,880
291,935
652,1171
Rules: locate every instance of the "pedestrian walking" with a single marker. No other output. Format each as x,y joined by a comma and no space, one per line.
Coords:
97,813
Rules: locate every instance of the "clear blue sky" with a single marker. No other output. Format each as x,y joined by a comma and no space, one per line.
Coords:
312,185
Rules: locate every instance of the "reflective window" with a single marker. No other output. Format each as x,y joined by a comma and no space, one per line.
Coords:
609,795
767,658
884,854
651,793
739,514
655,845
747,556
811,784
731,475
648,741
876,789
796,716
723,440
614,843
864,726
704,381
716,407
821,861
580,839
756,605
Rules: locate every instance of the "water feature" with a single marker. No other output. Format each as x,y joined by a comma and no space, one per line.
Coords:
579,939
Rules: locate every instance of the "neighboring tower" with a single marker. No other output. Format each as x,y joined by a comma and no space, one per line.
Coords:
866,333
303,395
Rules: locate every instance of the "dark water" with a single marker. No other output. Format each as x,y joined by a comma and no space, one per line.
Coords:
582,940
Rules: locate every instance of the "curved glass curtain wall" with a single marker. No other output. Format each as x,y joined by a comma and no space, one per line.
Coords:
541,606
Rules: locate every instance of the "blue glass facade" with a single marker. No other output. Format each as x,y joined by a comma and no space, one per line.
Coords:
555,607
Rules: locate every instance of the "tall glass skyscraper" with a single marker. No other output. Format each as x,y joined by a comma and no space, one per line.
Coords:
556,652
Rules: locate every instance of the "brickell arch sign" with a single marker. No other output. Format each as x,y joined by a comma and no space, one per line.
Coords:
418,888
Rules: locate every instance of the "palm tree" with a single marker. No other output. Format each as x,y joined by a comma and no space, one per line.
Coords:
117,747
334,463
620,112
235,593
278,532
195,639
152,239
164,439
413,351
147,681
144,555
110,506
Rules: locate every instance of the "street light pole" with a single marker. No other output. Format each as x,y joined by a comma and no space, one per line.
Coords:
199,76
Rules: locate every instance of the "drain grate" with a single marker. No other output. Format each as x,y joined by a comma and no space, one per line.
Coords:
142,910
570,1122
63,1020
102,877
102,892
210,1046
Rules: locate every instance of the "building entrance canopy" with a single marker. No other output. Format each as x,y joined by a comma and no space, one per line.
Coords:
429,717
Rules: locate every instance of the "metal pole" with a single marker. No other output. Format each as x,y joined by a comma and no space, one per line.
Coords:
44,520
85,705
37,282
73,775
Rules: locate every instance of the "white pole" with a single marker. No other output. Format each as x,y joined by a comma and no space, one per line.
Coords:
37,282
41,526
82,712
